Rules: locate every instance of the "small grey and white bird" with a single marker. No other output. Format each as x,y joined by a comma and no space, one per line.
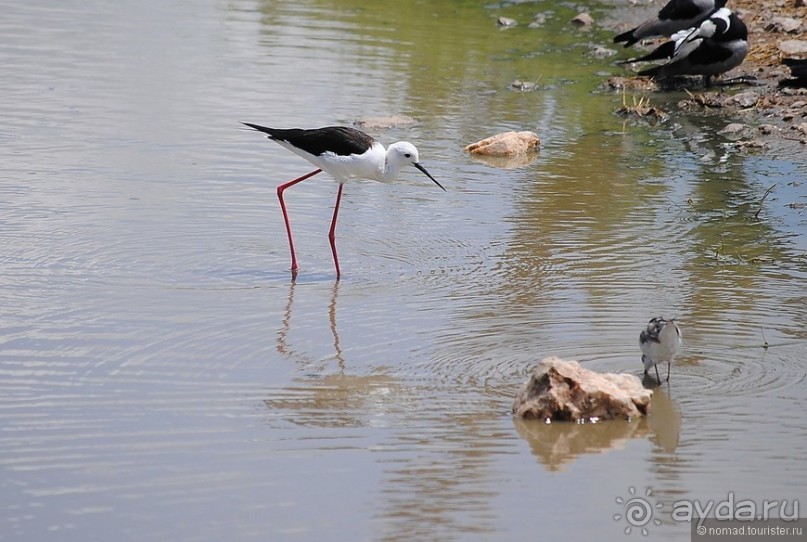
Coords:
660,342
718,45
675,16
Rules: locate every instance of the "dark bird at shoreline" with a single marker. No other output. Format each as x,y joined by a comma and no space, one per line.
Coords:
718,45
798,71
677,15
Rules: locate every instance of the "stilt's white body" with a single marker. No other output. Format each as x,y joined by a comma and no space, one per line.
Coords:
375,164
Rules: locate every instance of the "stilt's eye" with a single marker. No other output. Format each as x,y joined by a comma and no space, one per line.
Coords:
408,155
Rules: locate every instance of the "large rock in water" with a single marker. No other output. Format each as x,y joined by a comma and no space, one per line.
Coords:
506,144
562,390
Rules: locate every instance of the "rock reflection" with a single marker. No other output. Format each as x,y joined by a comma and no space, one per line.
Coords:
557,445
507,162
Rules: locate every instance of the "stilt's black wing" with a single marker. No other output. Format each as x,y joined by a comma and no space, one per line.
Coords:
339,140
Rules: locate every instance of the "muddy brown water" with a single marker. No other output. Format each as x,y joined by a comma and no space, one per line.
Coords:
161,377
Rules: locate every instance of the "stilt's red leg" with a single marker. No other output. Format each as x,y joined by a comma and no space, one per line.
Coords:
332,233
280,190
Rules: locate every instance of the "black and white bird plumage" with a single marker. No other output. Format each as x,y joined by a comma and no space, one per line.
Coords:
798,71
347,153
718,45
677,15
660,342
798,66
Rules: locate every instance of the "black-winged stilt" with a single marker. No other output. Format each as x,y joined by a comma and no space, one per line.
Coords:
660,341
345,153
675,16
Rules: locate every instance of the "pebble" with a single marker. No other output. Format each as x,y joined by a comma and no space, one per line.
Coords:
745,99
583,19
602,52
524,86
539,21
506,22
733,128
785,25
793,47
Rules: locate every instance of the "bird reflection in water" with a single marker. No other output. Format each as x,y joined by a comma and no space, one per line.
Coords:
322,395
283,346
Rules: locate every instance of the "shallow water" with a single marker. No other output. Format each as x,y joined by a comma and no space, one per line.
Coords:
162,377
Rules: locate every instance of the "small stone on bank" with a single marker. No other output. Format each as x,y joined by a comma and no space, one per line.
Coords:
583,19
748,98
733,128
793,47
783,25
602,52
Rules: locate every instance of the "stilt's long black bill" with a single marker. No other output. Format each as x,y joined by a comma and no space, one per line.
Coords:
423,169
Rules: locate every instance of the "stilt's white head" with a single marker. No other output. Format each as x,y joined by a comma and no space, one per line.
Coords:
403,154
